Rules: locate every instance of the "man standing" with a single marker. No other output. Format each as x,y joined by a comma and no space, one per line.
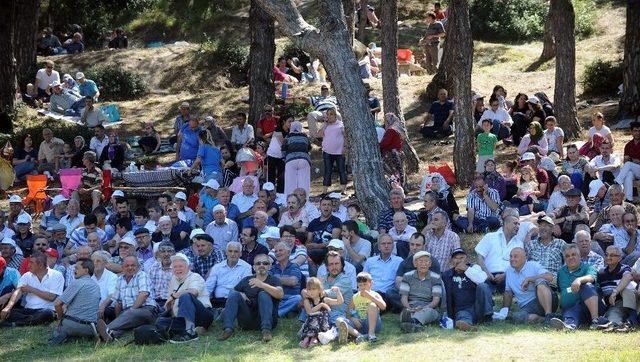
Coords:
493,249
290,278
223,230
546,249
187,141
254,301
225,275
431,41
578,294
82,300
45,77
99,140
383,269
421,292
40,287
135,306
182,119
529,282
440,241
441,113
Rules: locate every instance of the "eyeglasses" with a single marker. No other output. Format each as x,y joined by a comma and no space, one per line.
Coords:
265,263
172,210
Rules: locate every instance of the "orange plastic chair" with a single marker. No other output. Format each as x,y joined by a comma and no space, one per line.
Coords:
37,185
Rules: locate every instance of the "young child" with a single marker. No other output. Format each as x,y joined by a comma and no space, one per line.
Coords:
364,308
527,188
317,306
354,212
486,142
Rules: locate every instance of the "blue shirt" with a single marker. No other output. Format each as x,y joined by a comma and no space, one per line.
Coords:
208,202
290,270
223,278
514,280
248,222
233,212
210,159
383,272
10,278
190,143
440,112
88,89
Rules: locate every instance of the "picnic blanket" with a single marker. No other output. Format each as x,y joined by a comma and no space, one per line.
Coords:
156,178
109,110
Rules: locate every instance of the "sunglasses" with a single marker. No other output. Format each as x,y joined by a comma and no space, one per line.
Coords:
172,210
262,263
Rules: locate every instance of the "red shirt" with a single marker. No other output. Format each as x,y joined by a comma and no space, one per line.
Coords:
390,141
632,150
268,125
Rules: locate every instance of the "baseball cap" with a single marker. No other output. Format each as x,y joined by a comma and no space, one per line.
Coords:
268,186
181,196
457,251
195,232
23,219
15,198
3,264
184,105
8,241
528,156
271,233
58,199
212,184
79,75
218,207
477,97
533,100
573,192
594,187
117,193
334,196
420,254
336,243
55,83
128,240
547,219
51,252
141,231
180,256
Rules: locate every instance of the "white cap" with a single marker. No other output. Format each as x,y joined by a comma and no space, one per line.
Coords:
271,233
58,199
212,184
23,219
180,256
185,105
9,241
420,254
128,240
336,243
528,156
209,119
79,75
594,187
15,198
477,96
533,100
268,186
218,207
335,196
117,193
55,83
196,232
181,196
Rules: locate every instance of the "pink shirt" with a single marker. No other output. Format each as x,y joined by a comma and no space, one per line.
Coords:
333,140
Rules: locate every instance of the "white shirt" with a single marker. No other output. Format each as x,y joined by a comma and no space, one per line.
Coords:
500,114
151,225
495,250
44,79
72,224
192,281
243,202
552,138
557,199
349,271
604,131
6,232
52,282
240,137
97,146
107,284
614,160
312,210
403,236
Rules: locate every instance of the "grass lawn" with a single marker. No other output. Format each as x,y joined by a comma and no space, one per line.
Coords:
500,341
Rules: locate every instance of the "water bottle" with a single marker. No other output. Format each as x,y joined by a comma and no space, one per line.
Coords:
285,89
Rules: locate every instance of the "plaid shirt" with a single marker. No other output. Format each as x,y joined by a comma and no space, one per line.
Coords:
549,256
441,248
127,292
201,265
595,260
159,278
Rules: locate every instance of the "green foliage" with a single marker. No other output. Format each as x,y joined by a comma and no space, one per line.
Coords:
517,20
117,83
602,77
63,130
231,55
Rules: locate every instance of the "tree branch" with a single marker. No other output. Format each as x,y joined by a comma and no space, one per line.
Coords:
290,21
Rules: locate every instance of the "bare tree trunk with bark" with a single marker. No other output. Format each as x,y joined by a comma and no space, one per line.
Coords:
7,67
548,40
443,77
330,43
565,83
630,101
25,35
261,55
390,89
363,19
349,7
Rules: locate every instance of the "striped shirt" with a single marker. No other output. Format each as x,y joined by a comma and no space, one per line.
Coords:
127,291
549,256
322,104
476,202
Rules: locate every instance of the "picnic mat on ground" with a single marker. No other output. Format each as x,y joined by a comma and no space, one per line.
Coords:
73,120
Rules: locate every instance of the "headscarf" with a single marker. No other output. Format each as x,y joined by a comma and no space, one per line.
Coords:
296,127
444,187
539,132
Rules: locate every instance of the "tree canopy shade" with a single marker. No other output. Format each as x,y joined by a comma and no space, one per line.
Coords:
331,43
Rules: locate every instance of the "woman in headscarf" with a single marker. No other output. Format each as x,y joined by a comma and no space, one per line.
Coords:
297,169
534,141
391,148
445,199
113,152
494,179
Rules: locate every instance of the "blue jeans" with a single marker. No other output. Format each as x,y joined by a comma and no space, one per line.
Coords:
249,317
190,308
579,313
329,160
288,304
491,223
75,110
482,307
364,324
23,169
499,130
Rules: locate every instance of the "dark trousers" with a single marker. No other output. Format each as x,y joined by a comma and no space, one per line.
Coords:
275,172
218,302
254,317
329,160
392,299
191,309
28,317
436,131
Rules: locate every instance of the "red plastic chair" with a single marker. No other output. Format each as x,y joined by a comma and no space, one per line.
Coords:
106,185
37,196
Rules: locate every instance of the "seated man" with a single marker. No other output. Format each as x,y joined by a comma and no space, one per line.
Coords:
92,114
64,101
205,256
383,268
77,307
483,204
364,312
578,293
135,306
49,150
40,288
492,249
244,200
630,170
440,241
613,279
441,113
558,198
8,250
545,249
606,165
529,283
253,302
613,232
290,278
338,246
385,219
225,275
357,249
126,247
250,246
421,291
223,230
188,299
80,236
88,88
616,197
468,297
567,217
159,270
583,240
316,239
400,233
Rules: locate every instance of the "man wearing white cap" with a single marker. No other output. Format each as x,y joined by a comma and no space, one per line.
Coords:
185,213
421,292
24,238
87,87
126,247
65,102
53,216
8,249
15,209
337,209
208,199
223,230
557,198
181,120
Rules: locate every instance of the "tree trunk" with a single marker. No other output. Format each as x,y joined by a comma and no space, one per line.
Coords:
331,45
390,89
7,67
548,40
363,19
261,54
460,48
349,7
443,77
565,85
25,33
630,101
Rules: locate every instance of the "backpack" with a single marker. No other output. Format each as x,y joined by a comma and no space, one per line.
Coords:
147,335
170,327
